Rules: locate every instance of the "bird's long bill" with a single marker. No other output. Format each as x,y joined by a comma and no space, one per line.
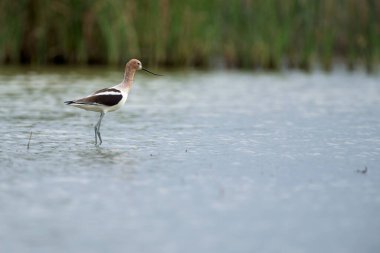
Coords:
151,72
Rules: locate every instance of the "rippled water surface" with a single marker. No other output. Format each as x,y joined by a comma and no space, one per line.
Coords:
194,162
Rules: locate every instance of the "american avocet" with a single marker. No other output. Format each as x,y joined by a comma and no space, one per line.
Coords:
109,99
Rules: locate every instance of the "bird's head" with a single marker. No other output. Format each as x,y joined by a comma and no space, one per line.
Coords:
135,64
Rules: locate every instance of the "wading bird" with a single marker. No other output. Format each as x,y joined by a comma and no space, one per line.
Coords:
109,99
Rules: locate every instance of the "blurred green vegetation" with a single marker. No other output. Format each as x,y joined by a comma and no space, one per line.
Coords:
240,33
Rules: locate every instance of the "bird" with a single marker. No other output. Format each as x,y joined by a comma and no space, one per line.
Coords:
109,99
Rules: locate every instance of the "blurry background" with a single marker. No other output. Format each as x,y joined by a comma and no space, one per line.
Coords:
245,33
210,157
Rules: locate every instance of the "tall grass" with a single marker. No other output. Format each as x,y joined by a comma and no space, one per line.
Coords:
241,33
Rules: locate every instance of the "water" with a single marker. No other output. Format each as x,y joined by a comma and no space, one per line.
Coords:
194,162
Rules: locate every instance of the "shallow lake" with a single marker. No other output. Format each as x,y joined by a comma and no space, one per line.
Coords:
217,161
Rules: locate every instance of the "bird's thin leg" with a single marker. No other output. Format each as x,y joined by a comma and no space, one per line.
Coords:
96,134
96,131
100,138
97,128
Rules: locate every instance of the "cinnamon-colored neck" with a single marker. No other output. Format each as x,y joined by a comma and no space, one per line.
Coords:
129,74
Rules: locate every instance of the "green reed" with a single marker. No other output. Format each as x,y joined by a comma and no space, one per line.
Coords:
241,33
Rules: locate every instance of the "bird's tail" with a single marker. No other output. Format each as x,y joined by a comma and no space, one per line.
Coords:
69,102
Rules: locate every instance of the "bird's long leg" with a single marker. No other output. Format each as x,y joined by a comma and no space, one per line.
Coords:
96,132
97,129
